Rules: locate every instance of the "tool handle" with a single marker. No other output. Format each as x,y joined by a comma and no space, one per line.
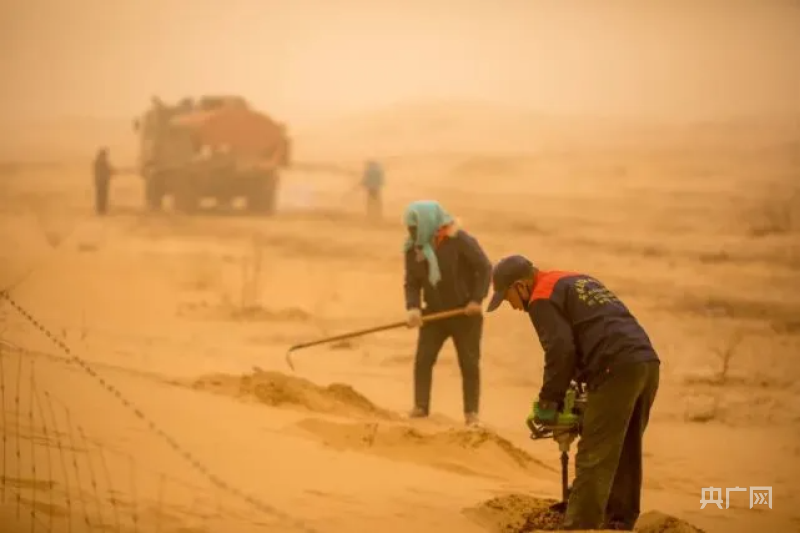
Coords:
349,335
564,476
433,317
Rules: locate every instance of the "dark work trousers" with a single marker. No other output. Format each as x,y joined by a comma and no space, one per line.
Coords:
466,332
608,465
100,195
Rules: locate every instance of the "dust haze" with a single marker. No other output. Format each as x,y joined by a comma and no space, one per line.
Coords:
310,59
655,145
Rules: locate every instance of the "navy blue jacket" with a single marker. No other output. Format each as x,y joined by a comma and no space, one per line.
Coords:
465,268
584,329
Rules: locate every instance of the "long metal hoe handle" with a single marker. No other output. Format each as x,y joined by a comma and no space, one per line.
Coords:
426,319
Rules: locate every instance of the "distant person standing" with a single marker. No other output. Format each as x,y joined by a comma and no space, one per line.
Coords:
373,181
102,177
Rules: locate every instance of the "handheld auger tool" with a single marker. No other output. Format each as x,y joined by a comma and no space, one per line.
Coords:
566,429
426,319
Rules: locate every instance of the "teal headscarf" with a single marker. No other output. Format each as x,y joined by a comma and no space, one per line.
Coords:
427,216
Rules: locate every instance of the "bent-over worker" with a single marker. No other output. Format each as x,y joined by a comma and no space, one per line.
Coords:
102,175
589,335
450,269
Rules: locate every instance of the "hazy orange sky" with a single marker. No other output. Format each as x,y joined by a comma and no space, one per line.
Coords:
305,59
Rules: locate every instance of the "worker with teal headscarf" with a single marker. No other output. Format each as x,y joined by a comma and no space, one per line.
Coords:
445,266
373,181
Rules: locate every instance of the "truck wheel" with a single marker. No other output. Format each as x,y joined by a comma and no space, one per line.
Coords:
185,197
263,195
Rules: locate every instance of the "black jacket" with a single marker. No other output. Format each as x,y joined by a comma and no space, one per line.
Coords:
584,329
466,274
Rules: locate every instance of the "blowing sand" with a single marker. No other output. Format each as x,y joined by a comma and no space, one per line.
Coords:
187,419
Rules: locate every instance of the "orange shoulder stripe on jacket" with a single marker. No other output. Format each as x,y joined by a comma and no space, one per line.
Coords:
545,283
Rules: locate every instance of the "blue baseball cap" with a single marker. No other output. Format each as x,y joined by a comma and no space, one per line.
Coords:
506,272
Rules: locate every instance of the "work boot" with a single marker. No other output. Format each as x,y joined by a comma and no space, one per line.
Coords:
472,420
418,412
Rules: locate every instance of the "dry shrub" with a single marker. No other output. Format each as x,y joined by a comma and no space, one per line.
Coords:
706,408
726,354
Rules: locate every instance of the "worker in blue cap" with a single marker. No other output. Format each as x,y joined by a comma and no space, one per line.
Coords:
589,336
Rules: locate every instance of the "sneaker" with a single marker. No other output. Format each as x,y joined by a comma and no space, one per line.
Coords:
418,412
472,420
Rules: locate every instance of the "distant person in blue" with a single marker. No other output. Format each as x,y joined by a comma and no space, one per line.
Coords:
373,181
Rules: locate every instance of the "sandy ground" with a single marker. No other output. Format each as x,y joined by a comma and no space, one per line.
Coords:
170,428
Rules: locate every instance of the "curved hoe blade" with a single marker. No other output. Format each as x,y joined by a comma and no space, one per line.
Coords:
289,358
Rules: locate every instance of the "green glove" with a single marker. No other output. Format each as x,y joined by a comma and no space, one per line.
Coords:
543,414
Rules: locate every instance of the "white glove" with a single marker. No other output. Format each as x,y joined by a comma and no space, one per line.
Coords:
414,318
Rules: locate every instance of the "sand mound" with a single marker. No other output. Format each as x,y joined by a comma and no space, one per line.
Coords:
657,522
519,513
474,452
279,390
515,513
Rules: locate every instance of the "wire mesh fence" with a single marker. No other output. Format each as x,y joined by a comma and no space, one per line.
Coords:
66,465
